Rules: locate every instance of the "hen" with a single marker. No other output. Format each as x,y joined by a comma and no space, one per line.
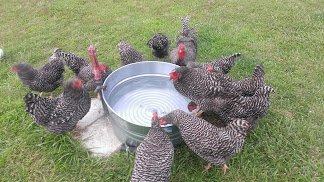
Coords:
253,107
216,145
196,83
186,50
159,44
154,156
60,114
45,79
128,54
82,68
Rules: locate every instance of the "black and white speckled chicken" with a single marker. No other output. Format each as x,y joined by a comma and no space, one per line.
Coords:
186,45
196,83
60,114
128,54
159,44
45,79
224,64
82,68
253,107
182,55
154,156
216,145
249,85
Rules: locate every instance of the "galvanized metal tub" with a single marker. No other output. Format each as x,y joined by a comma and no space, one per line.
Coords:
136,90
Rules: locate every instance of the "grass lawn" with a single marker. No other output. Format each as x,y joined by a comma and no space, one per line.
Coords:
287,38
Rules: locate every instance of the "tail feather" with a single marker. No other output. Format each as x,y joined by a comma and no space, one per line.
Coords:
226,63
258,71
240,125
75,63
264,90
185,27
25,72
30,100
186,31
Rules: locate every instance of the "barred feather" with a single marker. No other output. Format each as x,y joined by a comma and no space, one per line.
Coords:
60,114
44,79
224,64
188,38
81,68
154,156
128,54
216,145
74,62
255,106
159,44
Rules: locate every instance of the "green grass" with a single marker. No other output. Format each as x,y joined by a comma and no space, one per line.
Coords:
286,37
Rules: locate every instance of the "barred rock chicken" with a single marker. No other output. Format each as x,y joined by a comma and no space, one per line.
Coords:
159,44
196,83
60,114
82,68
182,55
128,54
45,79
249,85
186,50
224,64
154,156
253,107
216,145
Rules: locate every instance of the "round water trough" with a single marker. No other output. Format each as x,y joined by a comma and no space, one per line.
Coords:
134,92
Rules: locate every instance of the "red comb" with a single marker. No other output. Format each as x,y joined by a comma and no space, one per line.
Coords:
155,116
94,62
77,83
210,68
162,122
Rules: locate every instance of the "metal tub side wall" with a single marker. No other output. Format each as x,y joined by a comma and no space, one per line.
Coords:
126,131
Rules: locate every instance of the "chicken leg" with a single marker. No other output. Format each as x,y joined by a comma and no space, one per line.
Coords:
207,167
224,168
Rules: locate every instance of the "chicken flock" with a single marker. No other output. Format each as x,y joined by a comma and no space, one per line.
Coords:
238,104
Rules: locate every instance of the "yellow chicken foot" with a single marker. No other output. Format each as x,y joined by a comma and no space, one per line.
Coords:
224,167
98,96
207,167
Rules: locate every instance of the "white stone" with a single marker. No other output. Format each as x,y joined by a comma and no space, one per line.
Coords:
95,132
1,53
